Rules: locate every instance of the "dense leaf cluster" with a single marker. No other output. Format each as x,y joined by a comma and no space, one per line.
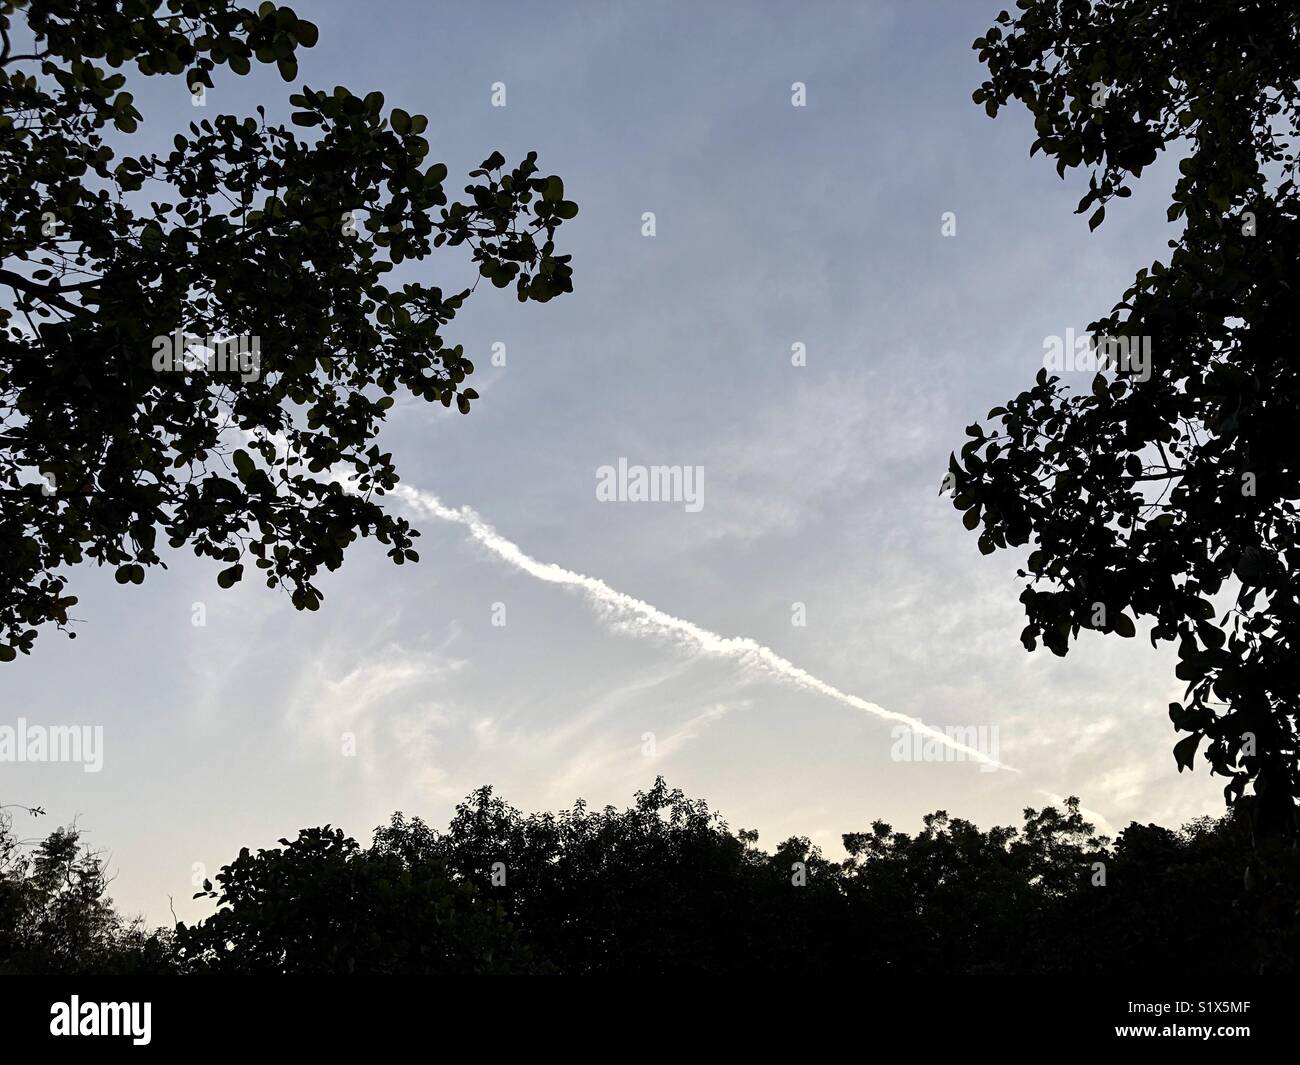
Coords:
242,232
1169,495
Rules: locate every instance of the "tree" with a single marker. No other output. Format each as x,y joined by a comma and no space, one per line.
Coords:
665,887
55,913
1168,491
319,904
661,887
204,344
953,898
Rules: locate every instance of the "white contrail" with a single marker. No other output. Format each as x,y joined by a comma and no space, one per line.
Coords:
643,618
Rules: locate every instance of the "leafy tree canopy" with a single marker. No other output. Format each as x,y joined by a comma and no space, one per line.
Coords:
276,248
1168,491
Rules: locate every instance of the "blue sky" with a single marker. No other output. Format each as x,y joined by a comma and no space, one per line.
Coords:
775,225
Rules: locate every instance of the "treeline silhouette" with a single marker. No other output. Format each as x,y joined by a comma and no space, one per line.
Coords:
666,886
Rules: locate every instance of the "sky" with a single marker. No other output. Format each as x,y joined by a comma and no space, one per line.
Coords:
775,226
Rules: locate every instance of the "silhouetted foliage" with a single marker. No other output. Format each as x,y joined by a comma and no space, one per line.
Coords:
121,268
660,887
322,905
666,887
1151,497
56,916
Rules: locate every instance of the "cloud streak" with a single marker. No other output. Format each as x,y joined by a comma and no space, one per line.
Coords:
644,619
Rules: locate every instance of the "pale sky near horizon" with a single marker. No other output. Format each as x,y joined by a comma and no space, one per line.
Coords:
775,225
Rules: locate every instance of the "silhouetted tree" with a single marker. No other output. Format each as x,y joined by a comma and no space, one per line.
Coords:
55,913
320,904
661,887
953,898
119,268
665,887
1169,484
1156,880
